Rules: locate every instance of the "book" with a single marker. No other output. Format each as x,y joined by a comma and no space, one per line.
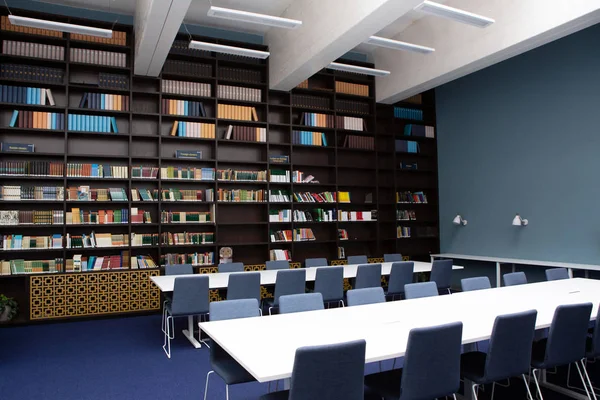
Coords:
280,159
16,148
194,155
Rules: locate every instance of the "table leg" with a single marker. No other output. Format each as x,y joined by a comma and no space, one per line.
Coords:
560,389
571,273
189,333
498,278
587,273
287,384
513,268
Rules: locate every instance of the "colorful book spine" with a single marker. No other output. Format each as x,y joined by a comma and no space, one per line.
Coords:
102,101
193,130
242,113
37,120
92,123
183,107
117,39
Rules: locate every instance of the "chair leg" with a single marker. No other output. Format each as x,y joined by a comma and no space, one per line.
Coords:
206,386
342,303
164,315
587,377
493,389
168,337
270,308
530,397
537,384
226,392
583,381
474,390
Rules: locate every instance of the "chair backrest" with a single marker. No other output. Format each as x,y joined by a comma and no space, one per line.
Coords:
359,297
278,264
401,274
179,269
368,275
329,372
441,273
568,334
357,260
231,267
421,289
392,257
244,285
432,362
509,353
315,262
555,274
292,281
293,303
477,283
190,295
515,278
233,309
595,350
330,283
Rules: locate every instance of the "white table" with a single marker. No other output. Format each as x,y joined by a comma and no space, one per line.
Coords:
267,346
515,261
220,281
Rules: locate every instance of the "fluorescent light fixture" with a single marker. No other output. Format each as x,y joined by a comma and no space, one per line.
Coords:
358,70
458,220
253,18
398,45
59,26
518,221
454,14
221,48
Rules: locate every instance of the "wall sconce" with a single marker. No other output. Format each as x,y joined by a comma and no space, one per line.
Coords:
518,221
458,220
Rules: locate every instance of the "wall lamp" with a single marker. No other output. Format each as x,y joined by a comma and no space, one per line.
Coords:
458,220
518,221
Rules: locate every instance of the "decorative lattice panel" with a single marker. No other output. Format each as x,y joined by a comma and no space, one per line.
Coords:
92,294
255,267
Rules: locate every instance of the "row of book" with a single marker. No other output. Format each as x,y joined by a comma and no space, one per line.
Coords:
196,259
37,120
408,113
406,215
315,215
26,95
32,73
239,93
92,123
192,69
188,195
300,177
353,107
34,50
183,47
185,238
31,217
97,240
32,168
113,81
85,193
331,121
97,170
27,242
411,197
80,263
193,130
183,107
403,231
245,133
292,235
419,130
406,146
359,142
240,75
18,193
308,197
357,215
118,38
189,173
246,176
186,88
6,25
279,176
98,57
280,254
22,266
309,138
141,171
104,101
313,85
241,113
100,217
279,196
241,195
352,88
172,217
280,215
303,100
342,234
144,239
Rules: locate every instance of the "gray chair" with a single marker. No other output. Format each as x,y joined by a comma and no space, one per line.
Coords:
392,257
555,274
174,269
330,372
330,283
221,362
292,281
401,274
359,297
244,285
367,275
421,289
514,278
294,303
231,267
278,264
190,298
477,283
441,274
315,262
357,260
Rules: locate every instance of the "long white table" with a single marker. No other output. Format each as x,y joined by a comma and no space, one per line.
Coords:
518,261
267,346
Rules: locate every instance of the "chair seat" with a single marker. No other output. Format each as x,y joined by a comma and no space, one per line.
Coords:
386,384
230,371
169,307
281,395
472,366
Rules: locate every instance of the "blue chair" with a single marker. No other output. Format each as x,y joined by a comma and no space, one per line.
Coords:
368,275
221,362
592,352
441,274
555,274
401,274
359,297
392,257
294,303
278,264
174,269
477,283
231,267
421,289
190,298
292,281
330,283
509,353
244,285
315,262
566,343
431,366
514,278
330,372
357,260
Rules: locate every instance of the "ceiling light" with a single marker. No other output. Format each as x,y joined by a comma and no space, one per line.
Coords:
454,14
358,70
221,48
398,45
253,18
59,26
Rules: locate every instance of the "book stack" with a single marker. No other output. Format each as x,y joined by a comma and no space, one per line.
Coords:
144,239
280,254
92,123
353,107
279,175
279,196
408,113
26,95
193,129
183,107
342,234
97,170
17,193
307,101
176,67
97,240
352,88
309,138
402,232
140,216
241,113
183,47
419,130
186,238
188,173
99,57
118,38
240,75
195,259
140,171
318,120
185,88
245,176
280,215
239,93
176,217
6,25
113,81
350,123
245,133
357,215
411,197
21,266
34,50
32,73
142,262
281,236
37,120
316,215
85,193
303,235
241,195
308,197
81,263
100,217
300,177
407,146
359,142
405,215
33,217
32,168
26,242
101,101
343,197
188,195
